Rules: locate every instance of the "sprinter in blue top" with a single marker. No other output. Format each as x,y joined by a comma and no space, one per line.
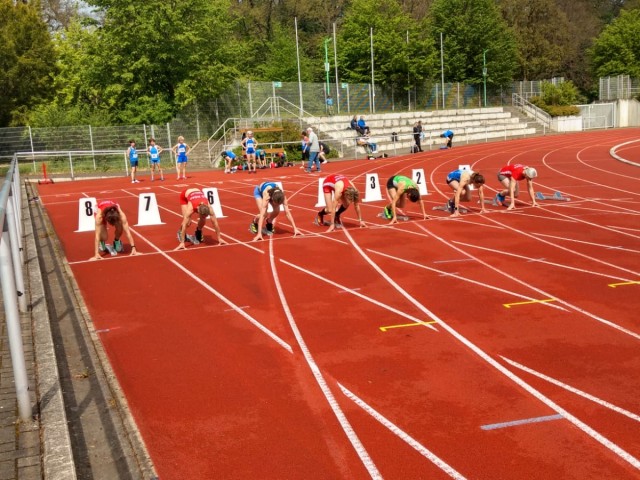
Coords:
448,136
154,156
132,153
228,157
461,181
265,194
181,150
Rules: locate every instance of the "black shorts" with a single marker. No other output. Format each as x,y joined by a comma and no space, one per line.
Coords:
390,183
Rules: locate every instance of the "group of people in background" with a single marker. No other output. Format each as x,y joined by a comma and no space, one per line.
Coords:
339,193
180,150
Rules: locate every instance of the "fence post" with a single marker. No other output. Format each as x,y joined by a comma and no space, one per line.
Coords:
33,158
71,165
13,327
92,149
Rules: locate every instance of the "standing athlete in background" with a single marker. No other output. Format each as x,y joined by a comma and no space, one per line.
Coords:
182,151
250,144
132,154
154,156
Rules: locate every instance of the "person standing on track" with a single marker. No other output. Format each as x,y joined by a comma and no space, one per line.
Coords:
132,155
265,194
109,213
192,200
182,151
154,155
460,181
250,144
398,189
339,193
509,176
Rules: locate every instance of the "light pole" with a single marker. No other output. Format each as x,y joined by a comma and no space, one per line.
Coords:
484,74
326,63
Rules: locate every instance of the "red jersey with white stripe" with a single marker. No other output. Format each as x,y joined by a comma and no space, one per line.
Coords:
105,205
515,171
195,198
329,184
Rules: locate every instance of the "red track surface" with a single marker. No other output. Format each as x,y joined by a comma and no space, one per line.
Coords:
266,360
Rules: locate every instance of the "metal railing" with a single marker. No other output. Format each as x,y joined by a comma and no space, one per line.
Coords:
12,281
539,115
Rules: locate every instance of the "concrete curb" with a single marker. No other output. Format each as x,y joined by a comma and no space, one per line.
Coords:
57,455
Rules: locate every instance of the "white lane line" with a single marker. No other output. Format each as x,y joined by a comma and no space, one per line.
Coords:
553,264
513,377
421,449
315,369
221,297
465,279
357,294
571,389
524,421
608,247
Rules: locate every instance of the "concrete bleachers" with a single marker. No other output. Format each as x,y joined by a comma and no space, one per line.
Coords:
469,125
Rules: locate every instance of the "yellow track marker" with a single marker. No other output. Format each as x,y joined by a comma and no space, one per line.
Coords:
546,300
414,324
614,285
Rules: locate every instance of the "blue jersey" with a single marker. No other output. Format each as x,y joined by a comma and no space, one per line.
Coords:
182,152
230,154
455,175
448,133
250,145
154,153
133,154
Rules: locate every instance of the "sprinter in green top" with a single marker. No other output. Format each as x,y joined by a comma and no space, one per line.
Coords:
399,188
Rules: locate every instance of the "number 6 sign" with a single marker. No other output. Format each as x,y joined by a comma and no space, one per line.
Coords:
212,196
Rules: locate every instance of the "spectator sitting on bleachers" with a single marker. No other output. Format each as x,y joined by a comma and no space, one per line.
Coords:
368,145
354,123
363,129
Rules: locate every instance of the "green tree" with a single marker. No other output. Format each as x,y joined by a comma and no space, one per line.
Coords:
469,28
150,57
280,61
27,60
616,51
544,37
402,49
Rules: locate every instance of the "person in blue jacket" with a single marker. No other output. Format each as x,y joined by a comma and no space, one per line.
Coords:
448,136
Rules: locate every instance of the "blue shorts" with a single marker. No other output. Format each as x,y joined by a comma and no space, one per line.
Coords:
155,160
256,193
182,160
251,151
134,163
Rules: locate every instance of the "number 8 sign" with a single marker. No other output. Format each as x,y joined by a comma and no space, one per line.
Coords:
86,211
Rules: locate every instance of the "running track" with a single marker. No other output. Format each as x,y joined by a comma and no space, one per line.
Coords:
496,346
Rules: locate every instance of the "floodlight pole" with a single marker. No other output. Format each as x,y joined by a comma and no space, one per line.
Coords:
326,62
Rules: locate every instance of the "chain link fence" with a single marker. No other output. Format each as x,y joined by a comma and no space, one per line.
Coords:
619,87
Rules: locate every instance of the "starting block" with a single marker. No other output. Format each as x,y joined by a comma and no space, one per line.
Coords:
445,208
86,214
372,191
148,213
555,196
417,175
401,218
443,148
214,200
321,202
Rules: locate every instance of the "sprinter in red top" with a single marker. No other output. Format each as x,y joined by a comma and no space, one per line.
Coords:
109,213
509,176
339,193
192,200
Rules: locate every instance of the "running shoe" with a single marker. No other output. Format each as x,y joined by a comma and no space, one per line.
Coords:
499,199
253,228
102,247
269,227
388,213
451,206
179,237
319,219
199,235
117,244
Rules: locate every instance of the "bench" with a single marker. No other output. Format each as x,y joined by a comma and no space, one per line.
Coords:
265,129
272,153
